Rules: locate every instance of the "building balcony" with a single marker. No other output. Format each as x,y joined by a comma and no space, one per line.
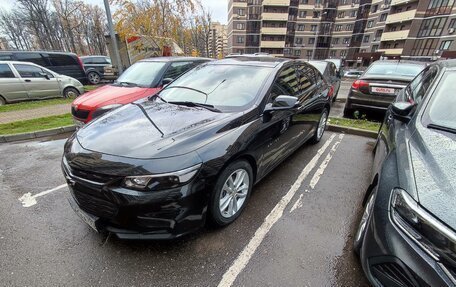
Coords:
273,31
399,2
396,35
272,44
391,52
401,17
275,16
276,2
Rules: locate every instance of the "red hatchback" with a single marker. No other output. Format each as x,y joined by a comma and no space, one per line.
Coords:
141,80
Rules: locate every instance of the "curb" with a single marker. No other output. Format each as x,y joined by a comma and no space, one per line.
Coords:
38,134
352,131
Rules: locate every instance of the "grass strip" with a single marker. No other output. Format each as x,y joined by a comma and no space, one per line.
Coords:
35,125
355,123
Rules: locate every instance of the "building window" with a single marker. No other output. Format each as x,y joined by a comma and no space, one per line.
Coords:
240,26
374,48
439,7
297,53
353,13
370,23
343,2
383,17
452,24
332,53
432,27
343,53
445,45
402,27
396,45
424,47
302,14
335,41
313,28
408,8
346,41
341,15
240,39
392,29
349,27
309,53
378,34
298,41
374,9
304,2
387,46
301,27
316,14
241,12
366,39
338,28
311,40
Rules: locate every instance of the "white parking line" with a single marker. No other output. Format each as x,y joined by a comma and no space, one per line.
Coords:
297,204
28,199
244,257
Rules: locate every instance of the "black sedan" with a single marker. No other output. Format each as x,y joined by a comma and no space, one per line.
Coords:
160,167
377,88
329,71
407,234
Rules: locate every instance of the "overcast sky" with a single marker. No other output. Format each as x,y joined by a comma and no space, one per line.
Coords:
217,7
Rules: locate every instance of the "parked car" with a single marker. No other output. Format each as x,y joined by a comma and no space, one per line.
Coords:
159,167
62,63
377,88
339,65
95,68
353,74
329,72
142,79
22,81
407,234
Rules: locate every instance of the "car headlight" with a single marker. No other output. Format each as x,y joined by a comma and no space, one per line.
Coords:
437,239
161,181
102,110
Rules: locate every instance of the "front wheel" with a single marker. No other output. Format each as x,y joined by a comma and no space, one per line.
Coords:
70,93
231,193
320,128
361,231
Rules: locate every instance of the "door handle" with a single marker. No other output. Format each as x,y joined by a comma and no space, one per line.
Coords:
27,80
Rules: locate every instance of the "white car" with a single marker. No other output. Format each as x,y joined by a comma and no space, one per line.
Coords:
22,81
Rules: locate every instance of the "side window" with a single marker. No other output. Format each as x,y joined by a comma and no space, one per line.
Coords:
62,60
31,57
5,71
6,57
178,68
286,83
28,71
418,87
99,60
306,75
87,61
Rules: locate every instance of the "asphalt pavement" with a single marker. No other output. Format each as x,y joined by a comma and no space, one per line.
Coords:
296,230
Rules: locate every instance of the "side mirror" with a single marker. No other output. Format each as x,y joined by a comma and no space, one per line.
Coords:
166,81
401,111
282,102
44,75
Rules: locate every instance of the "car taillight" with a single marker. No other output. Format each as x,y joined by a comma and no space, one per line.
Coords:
331,91
360,85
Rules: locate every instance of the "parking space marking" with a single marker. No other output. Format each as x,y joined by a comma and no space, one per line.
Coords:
324,164
297,204
28,199
246,254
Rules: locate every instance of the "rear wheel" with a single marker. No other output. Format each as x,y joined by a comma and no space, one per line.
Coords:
94,78
320,128
70,93
231,193
361,231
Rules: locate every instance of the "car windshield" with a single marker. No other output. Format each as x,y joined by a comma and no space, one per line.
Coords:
399,69
321,66
442,112
141,74
226,87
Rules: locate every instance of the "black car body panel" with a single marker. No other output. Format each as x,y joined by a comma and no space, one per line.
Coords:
419,160
155,137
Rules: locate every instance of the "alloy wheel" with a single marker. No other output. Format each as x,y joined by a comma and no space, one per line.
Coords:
359,236
234,193
322,124
94,78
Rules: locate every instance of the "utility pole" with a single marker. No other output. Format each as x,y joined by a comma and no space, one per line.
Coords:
113,37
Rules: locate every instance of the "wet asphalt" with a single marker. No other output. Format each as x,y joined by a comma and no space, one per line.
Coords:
48,245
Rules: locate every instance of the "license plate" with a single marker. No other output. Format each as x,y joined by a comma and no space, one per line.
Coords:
87,218
382,90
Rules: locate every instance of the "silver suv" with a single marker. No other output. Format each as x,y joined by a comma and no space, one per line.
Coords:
22,81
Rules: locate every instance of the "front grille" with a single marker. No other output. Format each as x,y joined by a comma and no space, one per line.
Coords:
80,114
92,176
93,204
392,273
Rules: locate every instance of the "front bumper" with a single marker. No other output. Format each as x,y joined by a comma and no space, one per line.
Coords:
390,258
133,214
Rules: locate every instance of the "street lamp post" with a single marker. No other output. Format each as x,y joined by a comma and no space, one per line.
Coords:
113,37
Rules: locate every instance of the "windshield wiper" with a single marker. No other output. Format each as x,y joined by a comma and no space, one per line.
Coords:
193,104
188,88
441,128
127,84
158,96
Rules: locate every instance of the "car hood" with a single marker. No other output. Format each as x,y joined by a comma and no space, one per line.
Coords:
110,94
152,129
433,156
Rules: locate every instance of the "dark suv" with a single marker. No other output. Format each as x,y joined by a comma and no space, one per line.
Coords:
94,67
376,89
63,63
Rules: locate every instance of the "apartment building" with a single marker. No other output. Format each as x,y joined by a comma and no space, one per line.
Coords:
358,31
218,40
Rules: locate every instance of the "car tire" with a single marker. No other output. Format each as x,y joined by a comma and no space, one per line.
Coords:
2,101
362,226
94,78
335,96
70,93
320,130
228,201
348,113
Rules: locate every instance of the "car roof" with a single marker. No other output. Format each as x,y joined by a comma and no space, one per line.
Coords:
42,52
175,59
91,56
18,62
396,62
448,64
259,61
